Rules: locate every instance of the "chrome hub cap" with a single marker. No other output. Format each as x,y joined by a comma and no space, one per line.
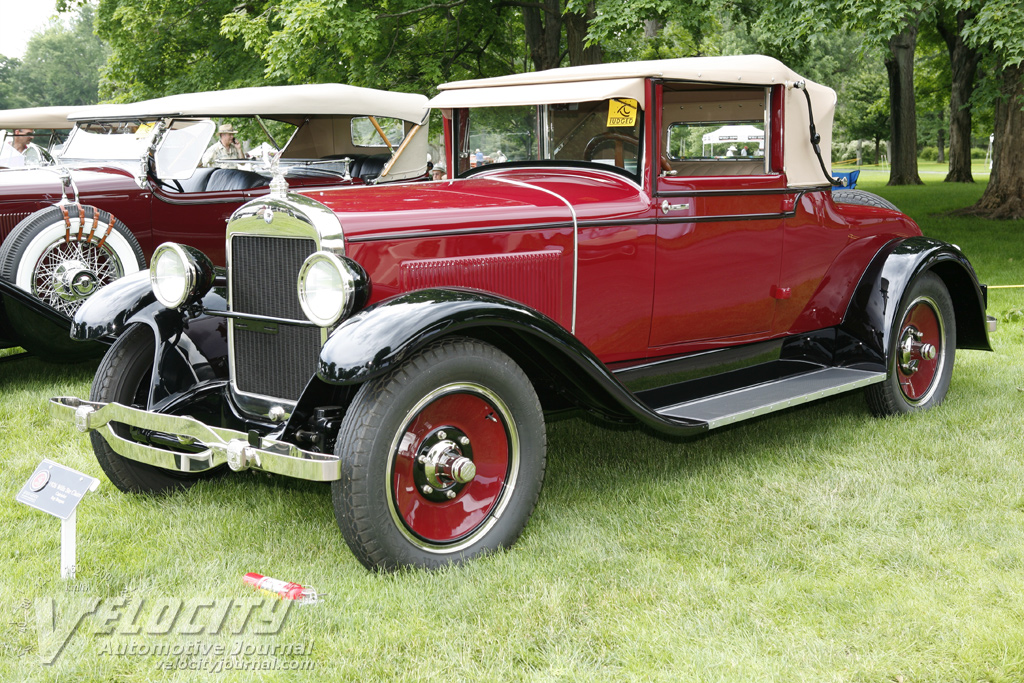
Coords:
444,464
913,351
73,281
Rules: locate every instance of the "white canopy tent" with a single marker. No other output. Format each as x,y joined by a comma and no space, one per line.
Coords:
733,135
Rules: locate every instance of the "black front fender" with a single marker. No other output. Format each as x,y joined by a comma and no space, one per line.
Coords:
382,337
191,348
871,314
20,311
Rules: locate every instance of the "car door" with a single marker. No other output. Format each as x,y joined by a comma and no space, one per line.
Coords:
721,206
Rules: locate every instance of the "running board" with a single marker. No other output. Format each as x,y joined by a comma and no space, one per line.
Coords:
744,403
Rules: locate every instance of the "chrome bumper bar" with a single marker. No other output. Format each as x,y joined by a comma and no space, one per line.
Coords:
220,446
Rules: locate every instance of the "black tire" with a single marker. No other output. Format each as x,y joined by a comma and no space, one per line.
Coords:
861,197
455,392
123,376
915,382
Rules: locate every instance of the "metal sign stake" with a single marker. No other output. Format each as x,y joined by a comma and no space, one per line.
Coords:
57,490
67,546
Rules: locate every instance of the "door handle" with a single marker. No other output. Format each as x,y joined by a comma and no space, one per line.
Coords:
666,207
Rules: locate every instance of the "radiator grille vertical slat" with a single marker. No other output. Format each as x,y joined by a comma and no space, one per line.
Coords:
264,273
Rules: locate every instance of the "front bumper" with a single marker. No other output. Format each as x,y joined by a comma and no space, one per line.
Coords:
220,446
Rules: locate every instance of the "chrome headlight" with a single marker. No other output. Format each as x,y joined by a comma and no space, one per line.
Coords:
331,287
179,274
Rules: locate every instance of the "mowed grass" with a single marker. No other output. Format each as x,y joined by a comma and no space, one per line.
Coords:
818,544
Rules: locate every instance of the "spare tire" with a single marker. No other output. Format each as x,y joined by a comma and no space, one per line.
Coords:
861,197
62,255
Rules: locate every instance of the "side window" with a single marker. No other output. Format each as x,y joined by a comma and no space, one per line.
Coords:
719,131
366,134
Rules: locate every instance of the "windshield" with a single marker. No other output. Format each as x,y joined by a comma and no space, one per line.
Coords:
605,132
114,141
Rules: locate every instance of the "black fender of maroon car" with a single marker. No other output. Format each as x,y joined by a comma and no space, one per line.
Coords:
19,308
191,349
870,316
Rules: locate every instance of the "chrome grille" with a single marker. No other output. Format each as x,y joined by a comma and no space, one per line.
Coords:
264,273
274,360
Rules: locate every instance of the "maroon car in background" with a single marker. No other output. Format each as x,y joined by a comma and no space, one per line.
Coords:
596,248
127,180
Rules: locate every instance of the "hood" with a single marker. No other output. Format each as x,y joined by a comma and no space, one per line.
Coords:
487,202
43,184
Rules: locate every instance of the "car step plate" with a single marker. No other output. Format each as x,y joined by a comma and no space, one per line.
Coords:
733,406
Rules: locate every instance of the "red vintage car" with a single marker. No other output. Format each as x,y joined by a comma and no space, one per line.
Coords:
607,253
130,178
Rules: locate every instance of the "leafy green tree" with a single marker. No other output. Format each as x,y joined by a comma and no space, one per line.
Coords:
62,64
10,98
401,45
964,61
997,25
863,111
162,48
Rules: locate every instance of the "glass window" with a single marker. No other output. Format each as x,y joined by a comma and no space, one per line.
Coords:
365,134
719,140
605,132
714,130
106,141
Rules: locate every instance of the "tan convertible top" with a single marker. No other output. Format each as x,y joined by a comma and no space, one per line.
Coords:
627,79
37,117
271,101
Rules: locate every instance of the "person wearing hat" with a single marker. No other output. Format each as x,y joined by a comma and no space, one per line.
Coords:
225,148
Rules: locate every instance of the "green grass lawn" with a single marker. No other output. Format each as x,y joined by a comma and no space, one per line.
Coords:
819,544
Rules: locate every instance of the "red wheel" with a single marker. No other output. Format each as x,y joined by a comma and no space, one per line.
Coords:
442,459
458,430
922,351
918,360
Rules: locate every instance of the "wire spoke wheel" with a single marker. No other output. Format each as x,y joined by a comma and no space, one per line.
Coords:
68,272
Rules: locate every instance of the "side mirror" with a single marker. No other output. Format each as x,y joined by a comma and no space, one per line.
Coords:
181,149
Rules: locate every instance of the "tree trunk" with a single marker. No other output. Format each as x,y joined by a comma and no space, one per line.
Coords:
942,144
964,62
652,27
1004,197
899,64
576,28
544,33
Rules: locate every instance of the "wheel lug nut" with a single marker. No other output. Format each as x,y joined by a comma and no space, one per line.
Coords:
451,495
442,435
427,489
422,460
464,440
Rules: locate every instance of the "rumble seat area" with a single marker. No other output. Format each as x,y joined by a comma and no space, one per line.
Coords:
368,166
228,179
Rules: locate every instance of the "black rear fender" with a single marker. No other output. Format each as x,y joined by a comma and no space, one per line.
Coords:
870,315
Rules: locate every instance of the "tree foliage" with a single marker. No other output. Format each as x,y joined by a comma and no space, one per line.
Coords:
161,48
61,66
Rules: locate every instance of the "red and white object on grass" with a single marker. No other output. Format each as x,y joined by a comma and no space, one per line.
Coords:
282,589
